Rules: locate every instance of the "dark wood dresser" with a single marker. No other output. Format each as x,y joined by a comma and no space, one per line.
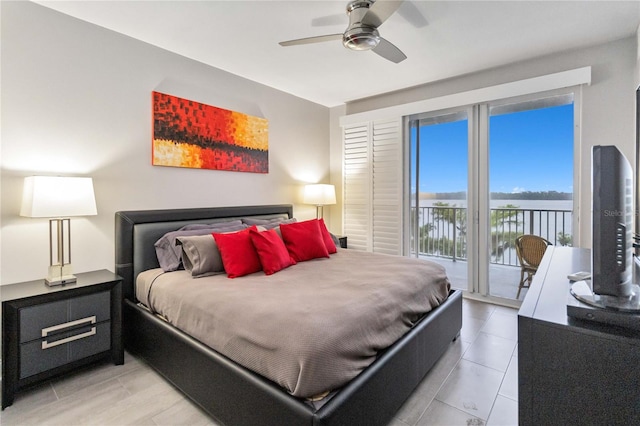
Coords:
572,371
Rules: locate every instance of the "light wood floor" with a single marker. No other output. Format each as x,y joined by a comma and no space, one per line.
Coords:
474,383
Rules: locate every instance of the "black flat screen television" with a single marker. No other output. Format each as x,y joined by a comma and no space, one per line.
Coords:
612,298
612,220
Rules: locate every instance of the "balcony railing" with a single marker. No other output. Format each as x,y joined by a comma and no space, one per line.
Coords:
442,231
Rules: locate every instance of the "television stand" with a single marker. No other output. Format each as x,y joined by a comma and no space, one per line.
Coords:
572,371
604,309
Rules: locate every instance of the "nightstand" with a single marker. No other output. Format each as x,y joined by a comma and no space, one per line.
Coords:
343,242
48,331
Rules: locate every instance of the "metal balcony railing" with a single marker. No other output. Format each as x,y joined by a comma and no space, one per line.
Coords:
442,231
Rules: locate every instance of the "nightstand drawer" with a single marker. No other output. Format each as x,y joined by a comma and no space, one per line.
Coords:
61,348
35,319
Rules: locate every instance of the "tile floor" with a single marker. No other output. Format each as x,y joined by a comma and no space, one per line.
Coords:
474,383
476,380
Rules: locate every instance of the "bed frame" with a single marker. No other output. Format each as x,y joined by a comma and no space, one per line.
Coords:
234,395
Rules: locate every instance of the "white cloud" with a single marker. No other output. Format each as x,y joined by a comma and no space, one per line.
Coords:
517,190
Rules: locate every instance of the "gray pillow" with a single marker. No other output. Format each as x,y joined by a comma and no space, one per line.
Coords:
267,223
210,225
200,255
169,253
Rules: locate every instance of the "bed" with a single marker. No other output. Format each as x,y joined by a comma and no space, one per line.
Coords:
235,395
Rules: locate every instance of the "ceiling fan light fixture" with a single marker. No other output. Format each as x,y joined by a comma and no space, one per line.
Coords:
362,38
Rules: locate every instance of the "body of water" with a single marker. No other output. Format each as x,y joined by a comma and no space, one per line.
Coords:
521,204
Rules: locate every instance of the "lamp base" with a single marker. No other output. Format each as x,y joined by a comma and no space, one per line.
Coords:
66,279
60,275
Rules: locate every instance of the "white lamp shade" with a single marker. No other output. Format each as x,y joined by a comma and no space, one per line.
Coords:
320,194
55,196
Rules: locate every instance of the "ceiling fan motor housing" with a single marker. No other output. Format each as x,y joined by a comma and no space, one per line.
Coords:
361,38
358,35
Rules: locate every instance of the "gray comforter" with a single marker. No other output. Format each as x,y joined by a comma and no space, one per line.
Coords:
311,327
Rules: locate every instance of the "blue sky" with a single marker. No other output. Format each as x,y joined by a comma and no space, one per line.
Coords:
528,151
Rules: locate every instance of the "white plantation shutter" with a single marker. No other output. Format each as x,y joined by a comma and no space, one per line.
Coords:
357,187
387,187
373,186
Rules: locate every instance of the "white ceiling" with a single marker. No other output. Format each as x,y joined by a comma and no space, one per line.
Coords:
442,39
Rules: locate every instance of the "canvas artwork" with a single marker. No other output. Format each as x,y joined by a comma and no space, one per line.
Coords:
195,135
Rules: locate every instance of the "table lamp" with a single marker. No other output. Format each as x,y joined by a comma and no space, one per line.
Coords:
320,195
58,198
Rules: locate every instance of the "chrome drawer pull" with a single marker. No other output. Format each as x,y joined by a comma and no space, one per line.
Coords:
47,345
90,320
46,331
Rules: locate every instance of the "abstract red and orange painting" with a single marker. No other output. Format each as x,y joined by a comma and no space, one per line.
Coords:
195,135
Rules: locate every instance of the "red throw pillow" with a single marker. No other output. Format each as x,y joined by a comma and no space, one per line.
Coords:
239,257
326,237
271,250
304,240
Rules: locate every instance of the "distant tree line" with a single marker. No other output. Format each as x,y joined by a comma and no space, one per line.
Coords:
525,195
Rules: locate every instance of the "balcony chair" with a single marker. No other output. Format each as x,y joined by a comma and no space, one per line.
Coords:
530,249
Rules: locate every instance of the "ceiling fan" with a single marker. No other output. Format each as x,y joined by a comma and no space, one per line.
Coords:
365,16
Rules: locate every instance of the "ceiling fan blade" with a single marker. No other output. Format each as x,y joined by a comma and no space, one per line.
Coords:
309,40
380,11
388,51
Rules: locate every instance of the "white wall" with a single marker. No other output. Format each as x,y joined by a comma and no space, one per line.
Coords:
76,100
335,169
608,104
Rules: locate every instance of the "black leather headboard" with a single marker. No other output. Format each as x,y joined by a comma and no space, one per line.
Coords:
137,231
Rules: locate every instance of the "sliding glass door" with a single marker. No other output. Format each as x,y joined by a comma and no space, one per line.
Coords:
530,146
439,176
483,175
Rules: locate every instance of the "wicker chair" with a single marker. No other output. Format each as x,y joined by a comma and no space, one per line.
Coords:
530,249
